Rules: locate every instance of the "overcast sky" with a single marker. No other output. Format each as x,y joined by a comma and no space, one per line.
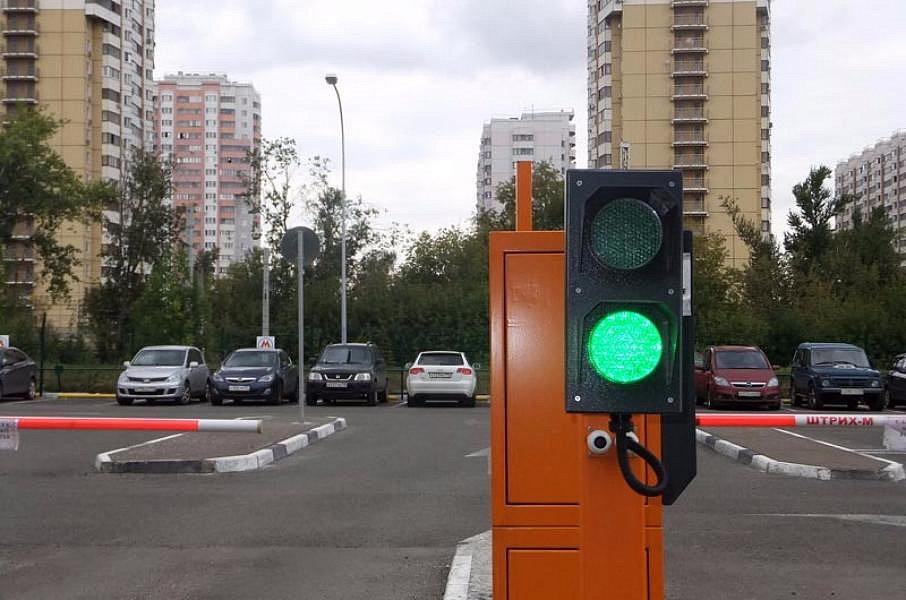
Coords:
419,77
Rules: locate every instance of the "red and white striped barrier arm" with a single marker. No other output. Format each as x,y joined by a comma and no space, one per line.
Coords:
84,423
799,420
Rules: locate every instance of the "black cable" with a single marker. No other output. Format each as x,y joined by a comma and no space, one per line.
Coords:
621,425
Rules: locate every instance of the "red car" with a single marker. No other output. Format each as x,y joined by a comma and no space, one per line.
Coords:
740,375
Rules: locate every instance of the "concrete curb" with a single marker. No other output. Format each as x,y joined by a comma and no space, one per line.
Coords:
105,462
470,577
460,573
766,464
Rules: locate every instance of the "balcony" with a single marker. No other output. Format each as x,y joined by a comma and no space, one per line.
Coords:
682,3
20,27
21,6
689,92
689,115
689,138
694,205
693,161
695,183
689,44
689,22
690,68
13,50
20,74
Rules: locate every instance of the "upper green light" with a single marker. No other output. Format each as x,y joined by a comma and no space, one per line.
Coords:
625,347
626,234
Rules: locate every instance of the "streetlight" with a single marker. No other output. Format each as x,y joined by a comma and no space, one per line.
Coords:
331,80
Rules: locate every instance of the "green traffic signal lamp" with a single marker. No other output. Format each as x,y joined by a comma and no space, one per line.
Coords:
626,234
625,347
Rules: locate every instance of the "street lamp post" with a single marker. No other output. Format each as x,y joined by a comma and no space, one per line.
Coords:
332,81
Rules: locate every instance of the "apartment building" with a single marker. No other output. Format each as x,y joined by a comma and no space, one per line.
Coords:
89,63
536,136
876,177
206,125
685,84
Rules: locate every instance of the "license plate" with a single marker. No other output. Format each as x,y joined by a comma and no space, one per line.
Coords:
750,394
440,375
336,384
239,388
846,392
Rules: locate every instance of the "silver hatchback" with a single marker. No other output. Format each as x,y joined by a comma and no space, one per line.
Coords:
176,373
441,375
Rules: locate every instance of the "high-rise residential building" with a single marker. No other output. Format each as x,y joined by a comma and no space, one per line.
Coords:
685,84
89,63
536,136
876,177
205,127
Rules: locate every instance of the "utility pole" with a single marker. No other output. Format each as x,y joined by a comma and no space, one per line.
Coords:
266,295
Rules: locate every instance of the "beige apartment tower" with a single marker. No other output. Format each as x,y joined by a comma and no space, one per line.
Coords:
89,63
685,84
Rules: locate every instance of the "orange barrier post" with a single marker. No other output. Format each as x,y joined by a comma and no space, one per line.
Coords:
565,524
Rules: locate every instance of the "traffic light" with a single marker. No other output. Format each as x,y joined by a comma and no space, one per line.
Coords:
624,291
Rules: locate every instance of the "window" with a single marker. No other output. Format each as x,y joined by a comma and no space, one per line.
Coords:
765,65
765,180
765,134
522,137
765,111
523,151
765,226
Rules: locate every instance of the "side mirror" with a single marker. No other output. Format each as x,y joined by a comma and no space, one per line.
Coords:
193,364
775,367
407,366
127,364
476,366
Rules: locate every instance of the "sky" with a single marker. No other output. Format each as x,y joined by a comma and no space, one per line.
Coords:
418,78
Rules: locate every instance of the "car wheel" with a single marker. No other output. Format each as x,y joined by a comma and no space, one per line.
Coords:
208,396
814,402
794,397
878,404
774,406
310,399
216,400
709,403
891,403
372,398
186,394
468,402
383,397
32,391
123,401
277,398
412,401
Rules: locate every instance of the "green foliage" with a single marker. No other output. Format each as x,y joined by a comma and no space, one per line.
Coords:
37,186
547,200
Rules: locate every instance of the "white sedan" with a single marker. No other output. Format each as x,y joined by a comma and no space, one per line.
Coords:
441,375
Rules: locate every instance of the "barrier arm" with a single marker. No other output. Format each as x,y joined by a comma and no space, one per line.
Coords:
121,424
800,420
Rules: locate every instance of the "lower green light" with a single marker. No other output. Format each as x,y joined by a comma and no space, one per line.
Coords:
625,347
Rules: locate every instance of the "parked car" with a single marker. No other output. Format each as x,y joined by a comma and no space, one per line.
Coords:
740,375
348,372
895,385
177,373
834,374
17,374
441,375
253,374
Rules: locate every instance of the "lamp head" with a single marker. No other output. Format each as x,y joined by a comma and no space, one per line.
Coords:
331,79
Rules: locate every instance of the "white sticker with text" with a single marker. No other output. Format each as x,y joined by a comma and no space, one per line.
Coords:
9,434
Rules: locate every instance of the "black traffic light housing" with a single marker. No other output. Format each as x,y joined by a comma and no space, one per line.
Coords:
624,291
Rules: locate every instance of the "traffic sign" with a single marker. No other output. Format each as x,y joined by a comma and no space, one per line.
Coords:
266,342
289,245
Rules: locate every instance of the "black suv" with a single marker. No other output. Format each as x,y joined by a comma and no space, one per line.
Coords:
834,374
348,372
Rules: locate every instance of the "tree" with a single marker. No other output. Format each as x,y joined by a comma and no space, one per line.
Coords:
142,233
811,235
37,186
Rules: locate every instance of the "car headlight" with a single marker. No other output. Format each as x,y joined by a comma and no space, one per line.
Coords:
315,377
773,382
826,383
363,377
174,378
266,378
721,381
876,383
122,377
218,377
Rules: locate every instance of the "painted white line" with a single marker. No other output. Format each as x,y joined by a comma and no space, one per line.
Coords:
400,403
460,573
482,452
895,468
104,457
892,520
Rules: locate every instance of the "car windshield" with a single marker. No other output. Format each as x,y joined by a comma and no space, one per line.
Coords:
340,355
251,359
445,359
835,356
741,359
159,358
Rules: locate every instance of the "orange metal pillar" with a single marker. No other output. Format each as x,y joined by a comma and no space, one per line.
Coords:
565,524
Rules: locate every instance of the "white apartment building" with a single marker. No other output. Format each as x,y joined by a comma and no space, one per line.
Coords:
876,177
536,136
206,125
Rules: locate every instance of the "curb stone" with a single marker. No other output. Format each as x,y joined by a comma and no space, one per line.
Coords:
766,464
469,577
221,464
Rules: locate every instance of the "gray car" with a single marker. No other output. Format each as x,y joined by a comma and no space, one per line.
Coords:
176,373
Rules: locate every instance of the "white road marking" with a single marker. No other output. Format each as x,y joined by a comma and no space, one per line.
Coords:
838,447
892,520
400,403
482,452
